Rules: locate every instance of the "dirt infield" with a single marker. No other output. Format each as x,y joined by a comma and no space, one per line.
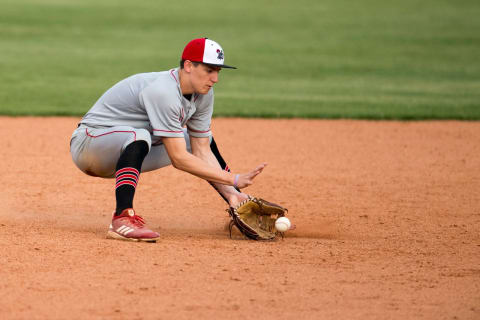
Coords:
388,217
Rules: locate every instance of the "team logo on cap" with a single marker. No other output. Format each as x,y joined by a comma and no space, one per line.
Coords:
220,54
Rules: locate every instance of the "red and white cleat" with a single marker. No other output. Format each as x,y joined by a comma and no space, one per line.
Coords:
131,227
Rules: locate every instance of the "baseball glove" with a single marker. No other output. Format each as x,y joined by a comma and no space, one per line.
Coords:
255,218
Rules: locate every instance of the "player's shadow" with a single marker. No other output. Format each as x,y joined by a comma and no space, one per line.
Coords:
98,225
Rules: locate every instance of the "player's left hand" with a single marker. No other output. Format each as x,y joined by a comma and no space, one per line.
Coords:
255,218
246,179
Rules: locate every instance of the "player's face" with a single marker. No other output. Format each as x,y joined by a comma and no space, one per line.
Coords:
203,77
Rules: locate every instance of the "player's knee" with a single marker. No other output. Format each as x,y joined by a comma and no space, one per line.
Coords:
144,135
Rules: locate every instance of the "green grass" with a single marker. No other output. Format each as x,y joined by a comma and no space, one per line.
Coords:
368,59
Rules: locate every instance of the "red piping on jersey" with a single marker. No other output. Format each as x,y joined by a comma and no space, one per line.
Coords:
104,134
197,131
168,131
171,73
182,115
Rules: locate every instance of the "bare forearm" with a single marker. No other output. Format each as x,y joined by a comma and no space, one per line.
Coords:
203,163
206,155
207,170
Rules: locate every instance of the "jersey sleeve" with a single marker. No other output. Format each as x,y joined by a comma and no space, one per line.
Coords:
199,124
164,112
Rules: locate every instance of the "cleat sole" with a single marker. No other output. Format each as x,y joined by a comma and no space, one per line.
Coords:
116,236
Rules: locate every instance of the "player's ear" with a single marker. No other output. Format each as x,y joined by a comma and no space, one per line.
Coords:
188,65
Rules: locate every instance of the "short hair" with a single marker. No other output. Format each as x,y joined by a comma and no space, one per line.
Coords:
182,62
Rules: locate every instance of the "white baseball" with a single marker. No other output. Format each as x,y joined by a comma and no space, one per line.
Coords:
282,224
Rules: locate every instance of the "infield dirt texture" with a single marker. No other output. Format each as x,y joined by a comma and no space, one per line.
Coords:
388,213
388,217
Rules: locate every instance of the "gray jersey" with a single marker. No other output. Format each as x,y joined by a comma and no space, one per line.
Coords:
153,101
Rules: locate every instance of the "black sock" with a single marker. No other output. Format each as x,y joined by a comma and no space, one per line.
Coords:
223,164
127,174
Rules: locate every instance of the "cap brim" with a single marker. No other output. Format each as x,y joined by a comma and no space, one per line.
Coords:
220,65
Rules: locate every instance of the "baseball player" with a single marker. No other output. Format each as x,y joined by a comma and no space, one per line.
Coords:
151,120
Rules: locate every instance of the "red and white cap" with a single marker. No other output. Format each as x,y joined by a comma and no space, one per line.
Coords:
205,51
